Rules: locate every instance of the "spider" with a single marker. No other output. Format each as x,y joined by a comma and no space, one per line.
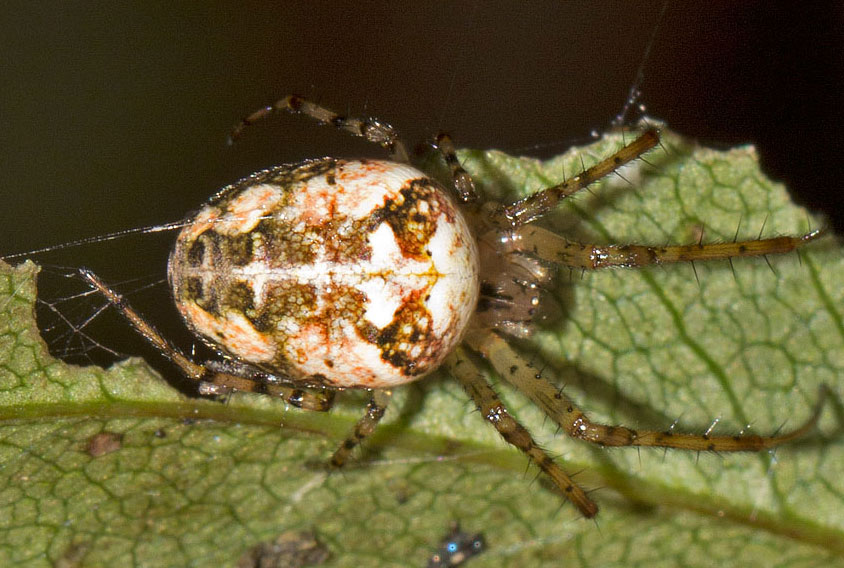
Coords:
333,274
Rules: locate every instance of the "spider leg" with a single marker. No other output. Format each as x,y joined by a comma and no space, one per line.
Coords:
492,409
213,378
463,183
230,376
372,129
535,206
365,426
563,411
554,248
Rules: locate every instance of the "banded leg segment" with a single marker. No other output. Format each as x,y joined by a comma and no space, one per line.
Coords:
492,409
535,206
560,408
213,378
369,128
229,376
554,248
374,412
463,184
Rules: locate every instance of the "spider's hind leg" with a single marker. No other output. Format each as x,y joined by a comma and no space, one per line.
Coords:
214,378
231,376
374,412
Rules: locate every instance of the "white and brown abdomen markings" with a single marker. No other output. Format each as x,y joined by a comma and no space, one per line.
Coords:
350,274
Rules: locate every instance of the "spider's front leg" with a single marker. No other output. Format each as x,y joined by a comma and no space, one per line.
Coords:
517,217
540,203
214,378
463,184
546,245
371,129
490,406
562,410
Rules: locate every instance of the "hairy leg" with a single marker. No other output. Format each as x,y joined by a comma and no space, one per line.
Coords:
463,184
535,206
365,426
369,128
562,410
554,248
491,408
213,378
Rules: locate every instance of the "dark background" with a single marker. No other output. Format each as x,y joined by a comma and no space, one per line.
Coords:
114,115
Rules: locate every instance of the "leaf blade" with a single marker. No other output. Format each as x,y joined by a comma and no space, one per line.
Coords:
638,347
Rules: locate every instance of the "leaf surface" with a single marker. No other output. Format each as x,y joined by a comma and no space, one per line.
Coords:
196,482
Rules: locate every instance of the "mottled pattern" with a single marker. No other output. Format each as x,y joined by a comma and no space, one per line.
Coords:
328,272
362,274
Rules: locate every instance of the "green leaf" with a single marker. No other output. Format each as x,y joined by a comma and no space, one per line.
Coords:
115,468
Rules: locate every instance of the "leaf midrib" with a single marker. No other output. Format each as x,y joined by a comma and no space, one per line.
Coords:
333,427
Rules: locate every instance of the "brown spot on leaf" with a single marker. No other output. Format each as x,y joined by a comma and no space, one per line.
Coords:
104,443
291,549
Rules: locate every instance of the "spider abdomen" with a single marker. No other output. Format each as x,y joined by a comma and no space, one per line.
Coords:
329,272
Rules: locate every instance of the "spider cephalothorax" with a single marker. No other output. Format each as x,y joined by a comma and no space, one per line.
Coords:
331,274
